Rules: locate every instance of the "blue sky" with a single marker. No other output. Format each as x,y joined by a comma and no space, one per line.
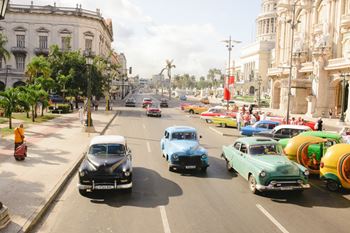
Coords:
189,31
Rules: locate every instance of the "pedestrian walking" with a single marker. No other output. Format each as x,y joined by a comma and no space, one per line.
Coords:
251,109
239,120
330,113
319,124
81,115
246,119
19,136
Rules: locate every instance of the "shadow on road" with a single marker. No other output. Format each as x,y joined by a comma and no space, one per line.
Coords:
150,190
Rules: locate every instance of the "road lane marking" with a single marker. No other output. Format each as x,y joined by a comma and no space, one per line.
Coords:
164,219
272,219
148,147
216,131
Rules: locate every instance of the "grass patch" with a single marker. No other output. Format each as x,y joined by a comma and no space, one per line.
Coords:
3,120
6,131
39,119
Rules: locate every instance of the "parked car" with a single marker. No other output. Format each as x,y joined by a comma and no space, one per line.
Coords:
106,166
204,100
225,121
261,161
146,101
56,99
335,167
153,110
195,109
163,103
130,102
259,126
180,146
212,112
183,98
283,131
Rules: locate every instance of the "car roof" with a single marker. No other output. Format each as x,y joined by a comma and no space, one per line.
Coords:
180,129
256,140
268,122
103,139
302,127
322,134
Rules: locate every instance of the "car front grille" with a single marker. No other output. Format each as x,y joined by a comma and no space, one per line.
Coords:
190,160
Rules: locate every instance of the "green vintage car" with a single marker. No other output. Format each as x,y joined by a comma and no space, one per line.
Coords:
261,161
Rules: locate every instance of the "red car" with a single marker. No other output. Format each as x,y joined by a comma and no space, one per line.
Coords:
153,110
146,102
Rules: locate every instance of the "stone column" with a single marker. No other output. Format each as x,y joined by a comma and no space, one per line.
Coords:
322,89
311,103
347,113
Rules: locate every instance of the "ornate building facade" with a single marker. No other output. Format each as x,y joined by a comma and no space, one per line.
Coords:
320,57
255,58
31,30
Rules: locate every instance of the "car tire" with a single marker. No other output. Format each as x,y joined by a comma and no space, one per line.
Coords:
204,169
252,184
171,169
83,192
191,111
228,166
207,120
332,185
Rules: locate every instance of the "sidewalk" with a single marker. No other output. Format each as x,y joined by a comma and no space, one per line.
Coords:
54,150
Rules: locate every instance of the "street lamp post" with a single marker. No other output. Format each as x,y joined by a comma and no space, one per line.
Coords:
88,54
108,85
259,80
4,216
342,115
229,45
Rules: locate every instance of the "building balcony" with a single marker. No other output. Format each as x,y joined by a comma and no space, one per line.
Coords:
19,50
41,51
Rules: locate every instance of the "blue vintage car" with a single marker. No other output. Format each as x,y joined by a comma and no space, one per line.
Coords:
181,149
258,127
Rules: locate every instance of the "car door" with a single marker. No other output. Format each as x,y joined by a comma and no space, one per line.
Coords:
261,127
165,142
232,157
284,133
240,159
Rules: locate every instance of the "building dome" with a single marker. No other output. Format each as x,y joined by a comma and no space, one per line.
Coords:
266,21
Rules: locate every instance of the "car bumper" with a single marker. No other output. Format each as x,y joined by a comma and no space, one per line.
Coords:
154,114
282,188
104,186
188,166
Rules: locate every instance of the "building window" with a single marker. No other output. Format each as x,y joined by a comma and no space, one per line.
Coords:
43,42
20,62
66,43
88,44
20,41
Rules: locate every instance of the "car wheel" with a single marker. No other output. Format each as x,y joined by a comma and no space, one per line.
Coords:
204,169
207,120
332,185
171,169
252,184
228,166
191,111
83,192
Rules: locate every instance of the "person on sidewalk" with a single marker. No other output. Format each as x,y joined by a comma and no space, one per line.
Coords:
318,125
239,120
19,136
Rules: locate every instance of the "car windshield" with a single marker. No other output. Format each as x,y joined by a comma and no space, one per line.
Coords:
109,150
147,99
184,136
153,105
267,149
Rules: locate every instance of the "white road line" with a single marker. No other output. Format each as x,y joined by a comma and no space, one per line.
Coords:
272,219
164,220
216,131
149,147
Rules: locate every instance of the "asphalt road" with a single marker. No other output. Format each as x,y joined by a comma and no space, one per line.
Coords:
163,201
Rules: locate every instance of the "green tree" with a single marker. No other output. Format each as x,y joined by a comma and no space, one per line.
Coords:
9,101
38,67
33,94
4,54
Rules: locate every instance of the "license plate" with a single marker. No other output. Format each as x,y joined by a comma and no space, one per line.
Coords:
190,167
286,188
104,187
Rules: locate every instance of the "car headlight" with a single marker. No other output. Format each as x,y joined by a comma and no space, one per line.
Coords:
127,173
175,157
262,174
204,156
306,172
82,173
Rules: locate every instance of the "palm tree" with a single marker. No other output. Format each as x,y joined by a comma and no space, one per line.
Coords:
4,54
38,66
9,102
33,94
168,67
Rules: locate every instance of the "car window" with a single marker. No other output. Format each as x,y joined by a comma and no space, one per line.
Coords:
106,150
271,126
244,148
184,136
285,131
268,149
166,134
295,132
264,126
237,146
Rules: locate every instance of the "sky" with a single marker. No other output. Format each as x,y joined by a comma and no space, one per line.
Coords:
190,32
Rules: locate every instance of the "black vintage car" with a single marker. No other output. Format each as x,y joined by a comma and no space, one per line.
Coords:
130,102
106,166
164,103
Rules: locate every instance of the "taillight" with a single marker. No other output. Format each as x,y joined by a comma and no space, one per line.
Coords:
321,165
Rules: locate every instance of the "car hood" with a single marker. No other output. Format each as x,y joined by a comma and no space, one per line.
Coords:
276,165
185,146
105,162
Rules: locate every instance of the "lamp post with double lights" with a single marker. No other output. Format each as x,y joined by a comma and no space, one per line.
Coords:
89,57
342,114
4,216
108,86
229,44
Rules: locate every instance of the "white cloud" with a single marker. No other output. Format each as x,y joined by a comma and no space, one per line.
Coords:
147,44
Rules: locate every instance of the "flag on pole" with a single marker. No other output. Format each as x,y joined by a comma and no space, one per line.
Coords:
227,95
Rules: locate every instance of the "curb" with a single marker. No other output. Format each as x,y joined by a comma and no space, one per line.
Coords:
36,216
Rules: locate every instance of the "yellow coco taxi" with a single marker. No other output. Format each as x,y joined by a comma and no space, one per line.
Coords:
307,151
335,167
195,109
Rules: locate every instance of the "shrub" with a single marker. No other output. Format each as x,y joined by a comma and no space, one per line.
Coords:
60,108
